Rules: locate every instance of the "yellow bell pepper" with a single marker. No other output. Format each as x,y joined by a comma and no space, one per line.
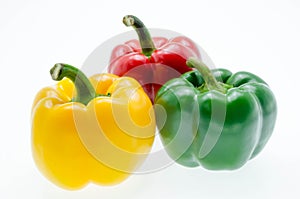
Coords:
97,130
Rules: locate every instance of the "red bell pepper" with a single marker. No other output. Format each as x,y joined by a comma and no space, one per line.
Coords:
151,61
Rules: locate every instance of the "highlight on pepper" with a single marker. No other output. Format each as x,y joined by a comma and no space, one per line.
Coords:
90,130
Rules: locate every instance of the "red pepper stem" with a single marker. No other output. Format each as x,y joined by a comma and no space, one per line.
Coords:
84,88
145,39
209,79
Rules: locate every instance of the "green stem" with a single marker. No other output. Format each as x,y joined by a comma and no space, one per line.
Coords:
145,39
84,88
209,79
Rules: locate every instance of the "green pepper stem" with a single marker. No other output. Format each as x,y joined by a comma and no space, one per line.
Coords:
145,39
84,88
210,80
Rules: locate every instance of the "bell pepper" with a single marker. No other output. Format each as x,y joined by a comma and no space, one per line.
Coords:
97,130
151,61
214,118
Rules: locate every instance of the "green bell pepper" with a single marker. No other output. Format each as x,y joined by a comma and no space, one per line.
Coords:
214,118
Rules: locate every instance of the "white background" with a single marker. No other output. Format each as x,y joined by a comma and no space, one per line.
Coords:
258,36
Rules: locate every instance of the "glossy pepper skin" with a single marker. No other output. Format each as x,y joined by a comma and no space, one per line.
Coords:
152,61
80,136
215,119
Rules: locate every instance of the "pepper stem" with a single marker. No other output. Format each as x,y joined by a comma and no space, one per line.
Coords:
210,80
145,39
85,90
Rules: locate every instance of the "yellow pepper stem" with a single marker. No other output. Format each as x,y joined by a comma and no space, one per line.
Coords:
84,88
